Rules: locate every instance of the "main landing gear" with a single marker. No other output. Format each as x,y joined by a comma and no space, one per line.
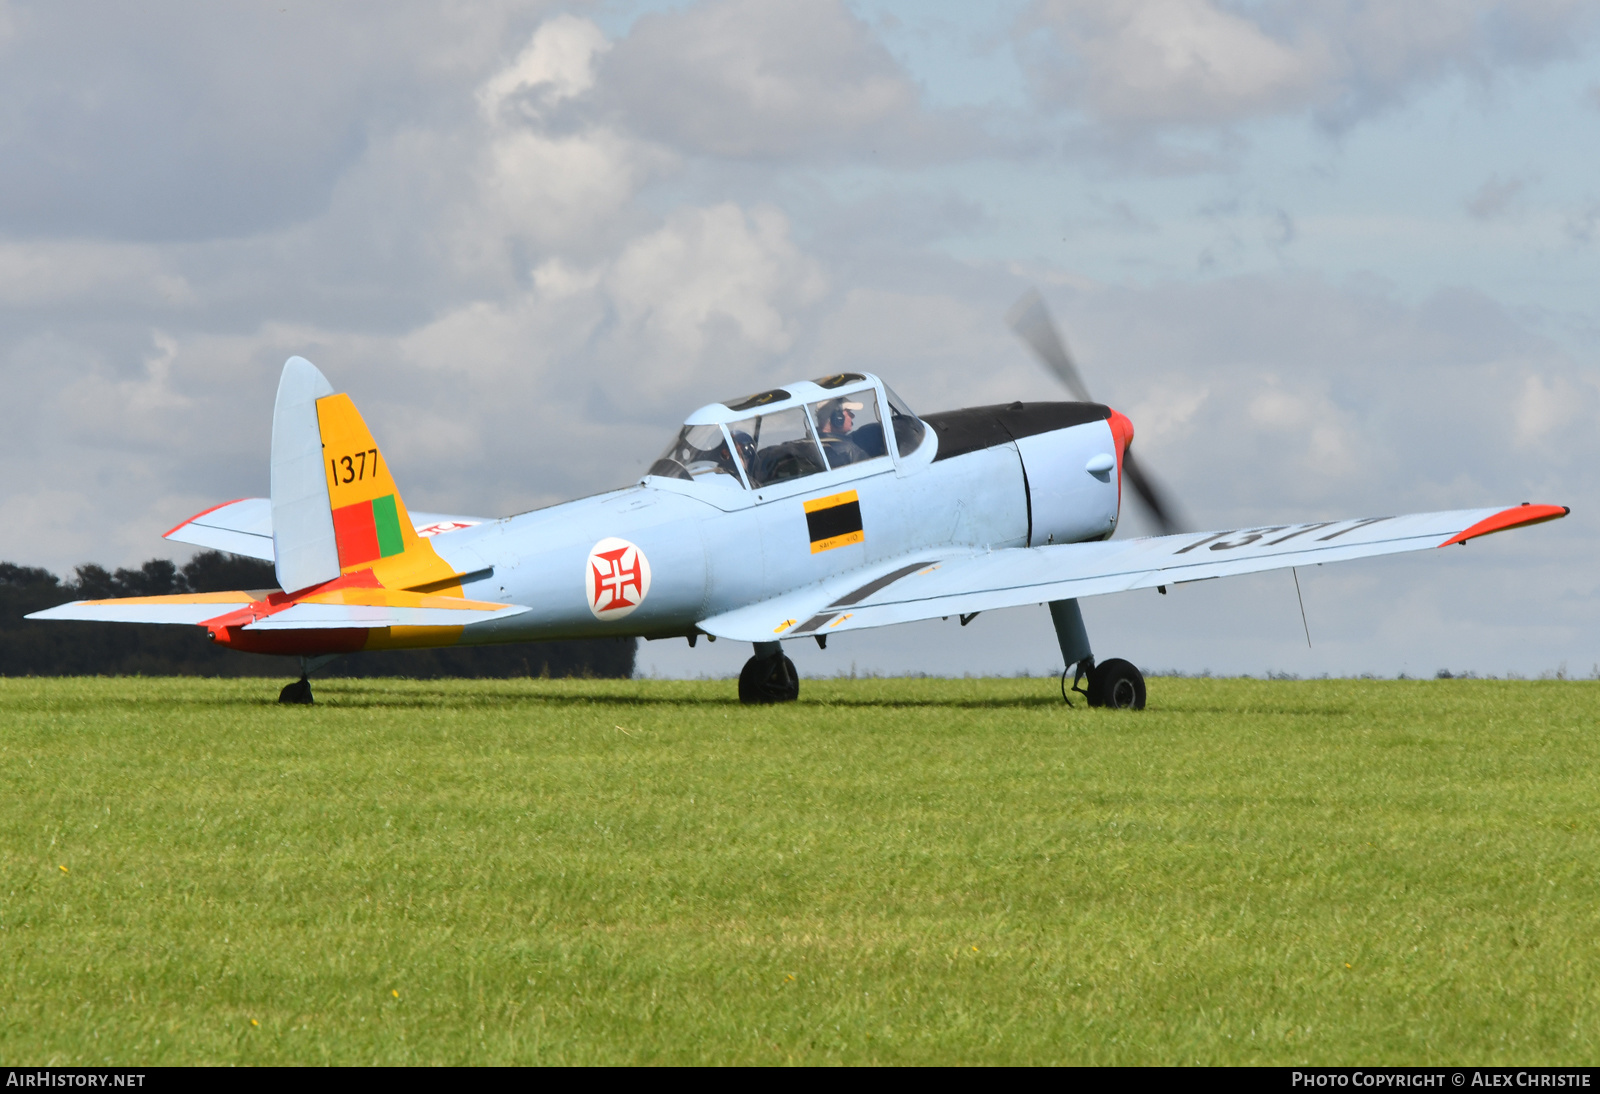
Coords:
1114,683
769,676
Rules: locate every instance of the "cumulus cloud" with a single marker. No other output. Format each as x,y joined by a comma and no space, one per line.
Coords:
1163,63
717,265
767,79
191,120
43,272
555,189
1548,410
1172,61
556,65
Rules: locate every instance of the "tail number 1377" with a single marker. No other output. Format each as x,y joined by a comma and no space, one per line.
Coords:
354,468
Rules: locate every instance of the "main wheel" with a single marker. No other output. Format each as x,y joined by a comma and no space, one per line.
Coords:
769,680
1116,684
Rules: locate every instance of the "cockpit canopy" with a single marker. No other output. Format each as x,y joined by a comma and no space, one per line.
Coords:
790,432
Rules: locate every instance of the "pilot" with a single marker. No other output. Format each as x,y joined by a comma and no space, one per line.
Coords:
837,417
745,446
836,420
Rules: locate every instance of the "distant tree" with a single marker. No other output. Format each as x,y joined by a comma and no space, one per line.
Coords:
31,648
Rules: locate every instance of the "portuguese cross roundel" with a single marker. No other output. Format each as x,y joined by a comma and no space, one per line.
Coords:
617,577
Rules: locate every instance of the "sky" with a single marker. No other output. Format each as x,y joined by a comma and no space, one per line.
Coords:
1333,258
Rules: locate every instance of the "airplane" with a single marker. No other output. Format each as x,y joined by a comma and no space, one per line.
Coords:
800,512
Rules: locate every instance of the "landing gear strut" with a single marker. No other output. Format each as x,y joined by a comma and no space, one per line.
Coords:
769,676
1114,683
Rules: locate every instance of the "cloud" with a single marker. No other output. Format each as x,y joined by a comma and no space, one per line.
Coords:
767,79
556,65
558,189
1580,223
1150,64
45,272
1495,197
1300,397
706,267
1548,408
1170,61
189,120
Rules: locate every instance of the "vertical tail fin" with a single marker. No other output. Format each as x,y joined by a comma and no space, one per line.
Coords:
350,517
304,550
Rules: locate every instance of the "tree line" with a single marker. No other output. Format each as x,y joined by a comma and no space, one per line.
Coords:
41,648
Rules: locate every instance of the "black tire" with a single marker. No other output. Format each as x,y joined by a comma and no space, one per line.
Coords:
1116,685
769,680
297,692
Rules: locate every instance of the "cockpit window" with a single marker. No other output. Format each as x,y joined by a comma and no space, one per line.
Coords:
849,428
762,398
699,450
908,428
839,379
777,447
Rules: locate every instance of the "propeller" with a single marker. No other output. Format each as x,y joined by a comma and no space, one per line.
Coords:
1031,320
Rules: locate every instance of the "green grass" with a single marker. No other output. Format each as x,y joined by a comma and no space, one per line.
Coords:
894,871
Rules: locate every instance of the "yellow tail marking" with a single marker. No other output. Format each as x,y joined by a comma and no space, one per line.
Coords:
370,520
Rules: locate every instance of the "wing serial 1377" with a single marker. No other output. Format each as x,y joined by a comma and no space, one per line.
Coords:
794,514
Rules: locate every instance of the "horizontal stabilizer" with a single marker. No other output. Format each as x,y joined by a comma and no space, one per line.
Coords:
308,617
343,608
244,527
191,608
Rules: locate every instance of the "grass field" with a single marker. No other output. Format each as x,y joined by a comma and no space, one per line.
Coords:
895,871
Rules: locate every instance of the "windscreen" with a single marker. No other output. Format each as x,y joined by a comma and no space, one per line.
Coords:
697,451
908,428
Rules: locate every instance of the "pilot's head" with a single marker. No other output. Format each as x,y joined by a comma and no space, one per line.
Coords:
837,416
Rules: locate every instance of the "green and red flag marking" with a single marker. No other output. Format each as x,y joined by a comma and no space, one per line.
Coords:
367,530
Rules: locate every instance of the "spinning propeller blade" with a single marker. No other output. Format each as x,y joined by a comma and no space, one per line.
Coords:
1031,320
1161,509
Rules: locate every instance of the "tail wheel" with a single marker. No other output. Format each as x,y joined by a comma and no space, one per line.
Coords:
297,692
1116,684
769,680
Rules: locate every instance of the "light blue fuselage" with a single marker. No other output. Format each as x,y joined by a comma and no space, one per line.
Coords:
714,546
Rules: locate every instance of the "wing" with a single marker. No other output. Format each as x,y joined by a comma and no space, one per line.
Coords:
244,527
955,582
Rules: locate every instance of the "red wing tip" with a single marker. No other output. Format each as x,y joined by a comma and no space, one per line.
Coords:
201,513
1515,517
